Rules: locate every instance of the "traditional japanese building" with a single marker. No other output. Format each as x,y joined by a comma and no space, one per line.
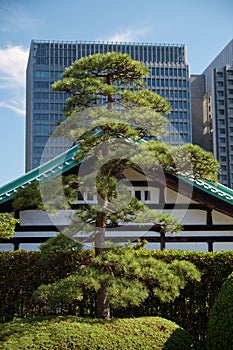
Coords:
203,208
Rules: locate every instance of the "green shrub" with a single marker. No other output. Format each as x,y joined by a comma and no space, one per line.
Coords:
62,333
22,272
220,325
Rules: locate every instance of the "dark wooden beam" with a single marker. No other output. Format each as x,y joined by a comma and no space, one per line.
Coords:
150,239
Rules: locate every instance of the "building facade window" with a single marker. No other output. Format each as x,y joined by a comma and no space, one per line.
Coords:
169,76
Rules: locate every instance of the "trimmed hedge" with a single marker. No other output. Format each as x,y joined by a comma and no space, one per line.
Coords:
63,333
220,326
22,272
191,310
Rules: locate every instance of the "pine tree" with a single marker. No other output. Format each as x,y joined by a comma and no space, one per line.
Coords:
109,111
129,111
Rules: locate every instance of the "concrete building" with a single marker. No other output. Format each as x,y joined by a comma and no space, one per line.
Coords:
197,93
169,77
216,106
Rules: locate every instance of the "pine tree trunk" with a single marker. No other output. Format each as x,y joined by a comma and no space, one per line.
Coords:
102,304
162,240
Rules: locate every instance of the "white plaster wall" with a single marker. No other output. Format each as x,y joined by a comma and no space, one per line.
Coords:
175,197
222,246
40,217
189,216
219,218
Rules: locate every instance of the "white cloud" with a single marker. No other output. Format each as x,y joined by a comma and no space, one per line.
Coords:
128,35
13,63
17,109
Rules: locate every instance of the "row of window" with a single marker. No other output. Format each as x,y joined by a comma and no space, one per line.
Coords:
224,178
141,52
228,82
177,138
225,159
179,116
54,61
43,128
221,103
221,94
172,94
174,116
223,131
171,83
41,140
54,96
229,91
179,104
222,111
181,127
159,72
166,93
223,121
146,196
65,61
47,74
49,106
38,150
40,84
224,149
220,74
47,117
223,139
59,106
168,72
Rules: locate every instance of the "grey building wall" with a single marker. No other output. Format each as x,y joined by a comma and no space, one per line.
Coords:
197,93
207,122
169,77
225,57
218,112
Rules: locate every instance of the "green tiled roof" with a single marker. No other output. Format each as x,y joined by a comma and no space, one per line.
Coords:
218,191
48,170
65,162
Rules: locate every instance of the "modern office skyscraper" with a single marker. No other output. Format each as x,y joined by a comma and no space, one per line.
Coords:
169,76
218,111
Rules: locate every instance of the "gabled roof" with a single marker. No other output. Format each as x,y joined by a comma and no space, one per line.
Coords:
65,162
54,167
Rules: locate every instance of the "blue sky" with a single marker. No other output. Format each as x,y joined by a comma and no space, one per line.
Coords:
205,26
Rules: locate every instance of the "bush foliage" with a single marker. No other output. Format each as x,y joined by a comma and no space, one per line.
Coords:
7,225
22,273
220,326
63,333
130,275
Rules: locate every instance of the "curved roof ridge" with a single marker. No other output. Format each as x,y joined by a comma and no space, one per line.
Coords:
65,161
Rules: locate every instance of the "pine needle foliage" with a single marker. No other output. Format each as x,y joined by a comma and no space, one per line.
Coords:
7,225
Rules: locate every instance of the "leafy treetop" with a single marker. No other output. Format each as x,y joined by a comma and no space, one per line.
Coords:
7,225
99,77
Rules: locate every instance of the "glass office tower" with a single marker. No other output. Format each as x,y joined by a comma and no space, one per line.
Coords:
169,76
219,110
